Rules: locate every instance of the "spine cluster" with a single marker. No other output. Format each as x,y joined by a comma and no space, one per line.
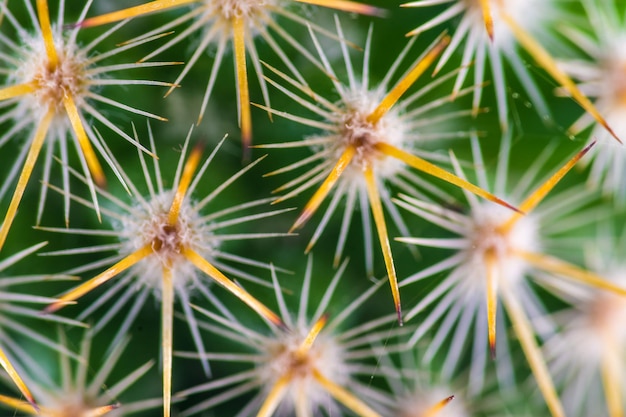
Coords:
312,208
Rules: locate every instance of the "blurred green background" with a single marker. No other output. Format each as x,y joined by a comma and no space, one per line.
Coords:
531,136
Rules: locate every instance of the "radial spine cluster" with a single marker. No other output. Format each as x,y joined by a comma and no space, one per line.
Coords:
360,208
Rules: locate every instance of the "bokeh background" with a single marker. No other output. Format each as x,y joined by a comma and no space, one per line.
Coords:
531,134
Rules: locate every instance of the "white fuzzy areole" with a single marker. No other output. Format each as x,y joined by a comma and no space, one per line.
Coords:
72,404
484,236
325,356
356,130
228,9
604,315
52,84
595,327
611,74
529,14
152,228
255,13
